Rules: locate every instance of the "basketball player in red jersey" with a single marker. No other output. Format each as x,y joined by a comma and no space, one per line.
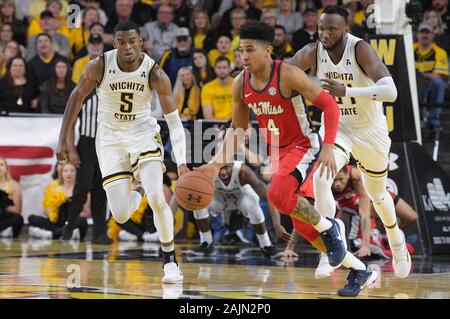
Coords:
293,145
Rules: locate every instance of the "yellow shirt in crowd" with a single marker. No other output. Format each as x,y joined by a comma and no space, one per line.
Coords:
214,54
433,60
79,67
219,97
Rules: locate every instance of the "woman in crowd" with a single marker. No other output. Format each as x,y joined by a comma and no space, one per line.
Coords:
441,38
8,15
187,94
56,202
200,27
12,50
17,90
202,69
290,19
11,220
56,91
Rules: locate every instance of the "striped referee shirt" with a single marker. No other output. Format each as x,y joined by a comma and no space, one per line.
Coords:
88,116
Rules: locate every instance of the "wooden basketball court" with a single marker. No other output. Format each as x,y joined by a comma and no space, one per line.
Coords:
55,269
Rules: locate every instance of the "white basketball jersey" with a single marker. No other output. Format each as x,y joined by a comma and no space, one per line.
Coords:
355,112
124,97
233,189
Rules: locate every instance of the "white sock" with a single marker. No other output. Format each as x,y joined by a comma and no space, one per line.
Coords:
395,235
169,248
264,240
323,225
206,237
351,261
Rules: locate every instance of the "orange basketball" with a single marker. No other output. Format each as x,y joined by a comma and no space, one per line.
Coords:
194,191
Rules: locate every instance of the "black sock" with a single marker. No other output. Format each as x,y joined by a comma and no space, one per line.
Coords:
169,257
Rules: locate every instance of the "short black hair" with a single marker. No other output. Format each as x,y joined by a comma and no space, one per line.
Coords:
44,34
257,31
339,10
126,26
222,58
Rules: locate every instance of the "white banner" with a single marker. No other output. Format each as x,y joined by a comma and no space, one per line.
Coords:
29,144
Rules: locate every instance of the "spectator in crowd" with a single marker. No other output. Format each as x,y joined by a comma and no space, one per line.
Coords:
37,6
173,59
216,95
60,42
95,4
60,20
98,29
281,47
308,33
202,69
441,6
253,13
181,13
40,66
355,29
79,36
441,38
432,73
94,49
223,49
238,18
18,93
269,17
11,220
162,33
8,14
123,12
200,27
290,19
56,91
238,64
187,94
56,200
11,51
326,3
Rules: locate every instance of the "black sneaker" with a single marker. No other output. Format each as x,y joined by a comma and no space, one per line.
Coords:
271,252
102,240
204,249
357,280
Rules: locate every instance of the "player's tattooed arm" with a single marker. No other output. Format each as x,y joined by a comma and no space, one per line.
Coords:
305,58
305,212
89,78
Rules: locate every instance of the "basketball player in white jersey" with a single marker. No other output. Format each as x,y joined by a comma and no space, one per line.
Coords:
350,70
236,188
128,141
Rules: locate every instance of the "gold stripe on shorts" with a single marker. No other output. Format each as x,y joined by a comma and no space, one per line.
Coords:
372,173
154,153
114,177
342,150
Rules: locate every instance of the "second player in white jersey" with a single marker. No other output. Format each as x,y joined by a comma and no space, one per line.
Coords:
352,72
124,97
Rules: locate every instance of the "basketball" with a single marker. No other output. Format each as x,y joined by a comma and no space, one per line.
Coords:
194,191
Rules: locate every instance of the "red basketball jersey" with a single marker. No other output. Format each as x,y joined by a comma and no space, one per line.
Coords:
284,119
348,198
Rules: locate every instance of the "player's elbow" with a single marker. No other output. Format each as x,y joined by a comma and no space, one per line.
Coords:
389,89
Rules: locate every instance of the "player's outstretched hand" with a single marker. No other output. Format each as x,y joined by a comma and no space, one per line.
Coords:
363,252
289,255
182,169
327,162
335,88
65,152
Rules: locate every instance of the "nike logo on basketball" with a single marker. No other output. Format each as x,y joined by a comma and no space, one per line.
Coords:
247,95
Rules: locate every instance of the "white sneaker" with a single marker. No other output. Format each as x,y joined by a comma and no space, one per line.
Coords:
172,274
76,234
151,237
7,233
401,260
342,229
172,291
40,233
324,269
126,236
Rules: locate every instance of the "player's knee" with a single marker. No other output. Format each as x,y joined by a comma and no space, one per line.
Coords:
157,202
256,216
321,182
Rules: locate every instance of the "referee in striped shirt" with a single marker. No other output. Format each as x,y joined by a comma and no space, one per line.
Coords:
89,177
